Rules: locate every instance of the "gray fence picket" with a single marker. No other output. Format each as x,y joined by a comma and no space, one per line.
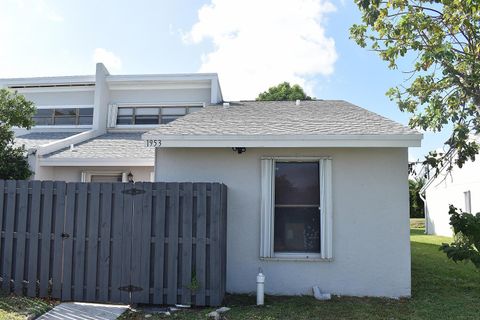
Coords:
105,230
21,236
201,251
2,209
79,249
223,239
187,276
59,220
215,245
117,241
135,269
143,296
172,272
92,246
159,212
68,241
8,239
33,238
46,234
126,261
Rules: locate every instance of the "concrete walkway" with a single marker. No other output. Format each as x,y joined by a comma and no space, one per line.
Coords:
87,311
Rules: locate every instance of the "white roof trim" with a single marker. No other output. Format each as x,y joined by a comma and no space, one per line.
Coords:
312,141
48,80
97,162
162,77
64,143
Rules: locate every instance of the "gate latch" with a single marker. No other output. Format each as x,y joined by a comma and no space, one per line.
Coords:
130,288
65,235
134,191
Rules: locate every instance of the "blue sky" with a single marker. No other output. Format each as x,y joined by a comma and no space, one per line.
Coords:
250,44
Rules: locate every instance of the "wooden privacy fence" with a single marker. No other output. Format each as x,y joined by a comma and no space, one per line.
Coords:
159,243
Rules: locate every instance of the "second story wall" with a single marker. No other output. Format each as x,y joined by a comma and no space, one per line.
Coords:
196,95
59,98
79,103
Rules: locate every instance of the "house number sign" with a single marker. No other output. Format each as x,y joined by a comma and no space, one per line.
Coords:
154,143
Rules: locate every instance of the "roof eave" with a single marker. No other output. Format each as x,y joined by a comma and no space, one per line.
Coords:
266,141
97,162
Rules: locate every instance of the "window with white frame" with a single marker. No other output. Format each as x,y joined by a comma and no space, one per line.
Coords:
151,115
296,208
65,116
104,176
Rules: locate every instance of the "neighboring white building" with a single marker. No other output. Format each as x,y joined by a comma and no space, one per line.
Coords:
317,192
89,127
459,187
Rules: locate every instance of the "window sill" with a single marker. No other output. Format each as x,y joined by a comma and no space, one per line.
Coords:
298,259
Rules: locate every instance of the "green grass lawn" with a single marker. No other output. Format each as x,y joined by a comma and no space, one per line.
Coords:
441,289
18,308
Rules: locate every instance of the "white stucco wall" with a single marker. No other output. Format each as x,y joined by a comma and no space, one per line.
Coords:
73,174
449,188
60,98
160,96
371,246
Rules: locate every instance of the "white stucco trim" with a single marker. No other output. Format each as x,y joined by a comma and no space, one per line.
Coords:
64,143
62,80
66,106
98,162
54,89
308,141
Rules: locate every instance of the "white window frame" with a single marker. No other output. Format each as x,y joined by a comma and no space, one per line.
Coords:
86,176
113,112
268,209
66,126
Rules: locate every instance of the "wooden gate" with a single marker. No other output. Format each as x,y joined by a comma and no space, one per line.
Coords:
159,243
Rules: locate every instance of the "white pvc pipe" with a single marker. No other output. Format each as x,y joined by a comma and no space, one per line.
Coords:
260,288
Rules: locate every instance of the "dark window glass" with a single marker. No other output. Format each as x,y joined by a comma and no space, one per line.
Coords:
124,120
65,112
65,120
297,229
85,111
146,119
85,120
44,113
105,178
40,121
168,119
297,201
297,183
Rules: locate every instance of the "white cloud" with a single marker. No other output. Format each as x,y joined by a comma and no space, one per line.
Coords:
258,44
108,58
40,8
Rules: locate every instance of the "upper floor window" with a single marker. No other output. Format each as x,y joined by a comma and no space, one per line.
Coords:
63,116
152,115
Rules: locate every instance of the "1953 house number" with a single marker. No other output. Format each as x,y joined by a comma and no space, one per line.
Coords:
154,143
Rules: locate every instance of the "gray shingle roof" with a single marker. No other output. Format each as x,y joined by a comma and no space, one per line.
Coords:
121,145
37,139
320,117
